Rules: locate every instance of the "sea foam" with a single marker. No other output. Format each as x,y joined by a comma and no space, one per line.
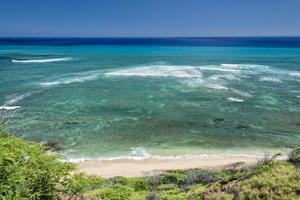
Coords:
45,60
270,79
295,74
72,78
9,107
233,99
241,93
159,71
13,99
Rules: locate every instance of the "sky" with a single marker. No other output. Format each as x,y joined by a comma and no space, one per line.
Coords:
149,18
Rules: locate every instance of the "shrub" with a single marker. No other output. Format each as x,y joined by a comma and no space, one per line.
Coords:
80,183
196,177
139,184
294,157
281,182
154,181
196,192
152,196
27,171
174,176
115,193
222,197
118,180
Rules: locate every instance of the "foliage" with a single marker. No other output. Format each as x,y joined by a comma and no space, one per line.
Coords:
114,193
196,192
294,157
139,184
80,183
27,171
281,181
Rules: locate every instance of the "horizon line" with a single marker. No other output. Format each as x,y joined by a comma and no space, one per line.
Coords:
141,37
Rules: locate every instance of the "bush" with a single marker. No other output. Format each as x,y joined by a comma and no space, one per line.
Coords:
115,193
204,177
80,183
139,184
222,197
152,196
27,171
294,157
175,177
281,182
196,192
118,180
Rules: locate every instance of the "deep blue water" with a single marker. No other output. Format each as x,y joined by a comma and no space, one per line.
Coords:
291,42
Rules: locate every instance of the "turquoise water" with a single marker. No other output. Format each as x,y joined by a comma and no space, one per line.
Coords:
106,101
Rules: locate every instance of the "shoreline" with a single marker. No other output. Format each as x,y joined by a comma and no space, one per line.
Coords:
151,166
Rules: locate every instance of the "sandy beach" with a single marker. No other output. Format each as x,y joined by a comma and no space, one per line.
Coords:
134,168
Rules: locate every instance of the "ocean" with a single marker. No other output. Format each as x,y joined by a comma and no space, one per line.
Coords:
107,98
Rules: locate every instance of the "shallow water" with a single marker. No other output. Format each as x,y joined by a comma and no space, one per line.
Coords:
103,101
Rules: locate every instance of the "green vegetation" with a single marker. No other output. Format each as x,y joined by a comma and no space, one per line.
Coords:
28,171
31,171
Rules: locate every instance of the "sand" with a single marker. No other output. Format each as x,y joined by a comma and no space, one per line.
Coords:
134,168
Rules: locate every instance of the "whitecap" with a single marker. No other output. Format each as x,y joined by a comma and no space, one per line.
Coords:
230,65
203,83
139,152
270,79
215,86
72,78
224,76
295,74
13,99
253,66
208,68
9,107
233,99
159,71
246,66
44,60
241,93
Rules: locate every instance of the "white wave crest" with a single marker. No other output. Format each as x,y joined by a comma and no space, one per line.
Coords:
159,71
233,99
230,65
13,99
169,157
9,107
270,79
45,60
73,78
220,69
295,74
199,82
139,153
225,76
241,93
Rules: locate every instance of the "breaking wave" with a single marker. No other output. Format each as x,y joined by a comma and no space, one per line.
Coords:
159,71
226,71
44,60
13,99
270,79
9,107
72,78
233,99
169,157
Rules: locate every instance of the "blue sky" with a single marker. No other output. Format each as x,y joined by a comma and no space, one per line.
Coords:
149,18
